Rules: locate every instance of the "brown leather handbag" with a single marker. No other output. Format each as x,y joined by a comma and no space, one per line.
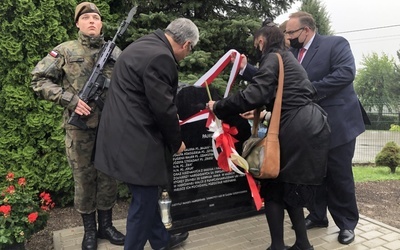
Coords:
263,154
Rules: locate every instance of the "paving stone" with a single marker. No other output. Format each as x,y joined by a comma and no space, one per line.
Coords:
253,233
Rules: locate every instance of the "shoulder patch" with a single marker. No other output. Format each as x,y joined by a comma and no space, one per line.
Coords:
53,54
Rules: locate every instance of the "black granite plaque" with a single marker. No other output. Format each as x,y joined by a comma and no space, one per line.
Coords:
202,193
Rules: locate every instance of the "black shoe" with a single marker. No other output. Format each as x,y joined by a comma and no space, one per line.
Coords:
346,236
313,224
107,230
295,247
285,248
176,240
89,241
113,235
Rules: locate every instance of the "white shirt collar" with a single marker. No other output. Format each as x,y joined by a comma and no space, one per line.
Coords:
307,46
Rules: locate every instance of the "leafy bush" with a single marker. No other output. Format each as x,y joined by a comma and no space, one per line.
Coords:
31,141
394,127
389,156
22,211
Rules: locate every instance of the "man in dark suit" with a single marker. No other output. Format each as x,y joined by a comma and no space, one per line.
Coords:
139,129
330,66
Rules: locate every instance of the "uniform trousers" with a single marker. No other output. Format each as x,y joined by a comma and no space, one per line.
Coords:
144,220
93,189
338,190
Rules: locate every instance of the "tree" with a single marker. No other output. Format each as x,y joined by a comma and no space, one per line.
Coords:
223,25
395,90
218,9
376,83
321,16
31,141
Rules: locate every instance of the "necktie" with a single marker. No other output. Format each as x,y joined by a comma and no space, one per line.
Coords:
301,54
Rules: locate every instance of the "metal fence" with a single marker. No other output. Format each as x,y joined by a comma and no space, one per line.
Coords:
370,143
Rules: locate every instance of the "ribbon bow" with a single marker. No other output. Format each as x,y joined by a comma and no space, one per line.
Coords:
228,159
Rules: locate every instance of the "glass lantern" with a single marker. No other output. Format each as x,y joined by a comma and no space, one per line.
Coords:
165,209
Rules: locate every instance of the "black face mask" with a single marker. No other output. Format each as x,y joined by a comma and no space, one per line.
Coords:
294,43
258,54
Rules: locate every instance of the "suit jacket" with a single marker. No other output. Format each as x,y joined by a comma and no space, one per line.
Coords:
330,66
139,127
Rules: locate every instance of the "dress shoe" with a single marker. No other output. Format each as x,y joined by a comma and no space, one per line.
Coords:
295,247
312,224
176,240
285,248
346,236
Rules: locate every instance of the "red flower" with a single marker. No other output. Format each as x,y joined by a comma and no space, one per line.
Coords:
45,196
32,217
22,211
10,176
46,201
5,209
22,181
10,190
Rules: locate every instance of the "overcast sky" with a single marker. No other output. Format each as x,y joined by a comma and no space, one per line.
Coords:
368,25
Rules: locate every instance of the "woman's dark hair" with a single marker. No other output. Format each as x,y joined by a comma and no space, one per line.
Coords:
274,37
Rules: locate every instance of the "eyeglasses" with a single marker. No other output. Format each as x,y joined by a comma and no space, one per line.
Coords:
294,31
191,47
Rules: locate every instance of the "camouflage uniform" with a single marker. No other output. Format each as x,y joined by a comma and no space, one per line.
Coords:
58,78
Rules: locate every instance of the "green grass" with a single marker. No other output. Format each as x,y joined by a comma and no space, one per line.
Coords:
368,173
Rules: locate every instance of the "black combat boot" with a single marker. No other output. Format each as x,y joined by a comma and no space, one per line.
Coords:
89,241
107,230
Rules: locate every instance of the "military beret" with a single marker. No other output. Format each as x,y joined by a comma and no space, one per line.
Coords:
85,7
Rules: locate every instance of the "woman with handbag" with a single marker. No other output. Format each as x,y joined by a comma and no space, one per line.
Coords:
303,134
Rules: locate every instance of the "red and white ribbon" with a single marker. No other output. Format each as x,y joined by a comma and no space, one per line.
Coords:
201,115
228,158
210,75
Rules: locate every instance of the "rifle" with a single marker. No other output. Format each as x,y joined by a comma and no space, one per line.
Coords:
96,83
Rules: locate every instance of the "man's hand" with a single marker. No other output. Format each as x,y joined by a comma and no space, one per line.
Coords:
181,149
82,108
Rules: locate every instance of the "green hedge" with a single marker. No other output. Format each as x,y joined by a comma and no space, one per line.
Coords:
31,141
384,122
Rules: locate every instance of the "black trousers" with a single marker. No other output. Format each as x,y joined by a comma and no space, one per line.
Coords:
144,220
338,191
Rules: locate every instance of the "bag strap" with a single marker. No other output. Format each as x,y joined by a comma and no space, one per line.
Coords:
273,127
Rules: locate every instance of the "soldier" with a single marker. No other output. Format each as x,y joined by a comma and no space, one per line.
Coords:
58,78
